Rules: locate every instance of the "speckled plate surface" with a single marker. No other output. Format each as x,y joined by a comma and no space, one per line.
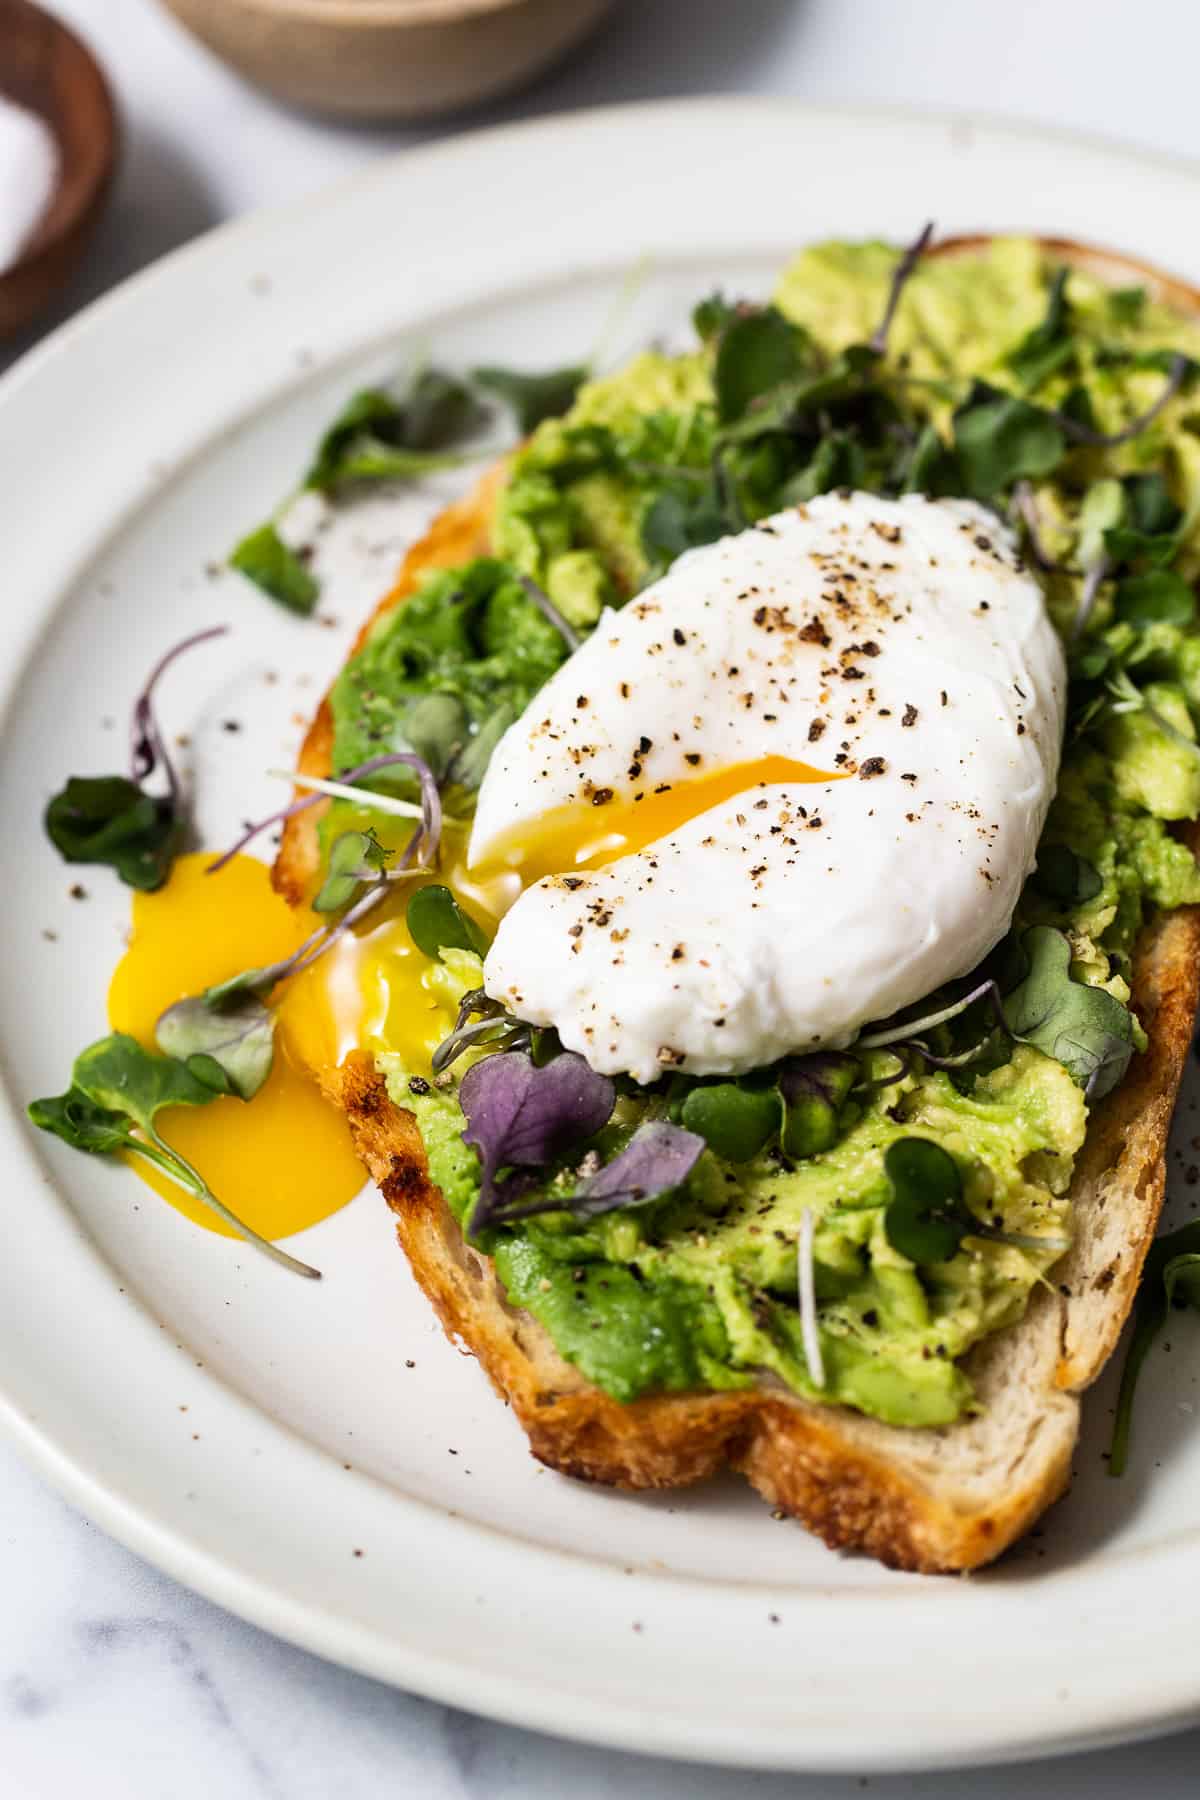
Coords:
342,1475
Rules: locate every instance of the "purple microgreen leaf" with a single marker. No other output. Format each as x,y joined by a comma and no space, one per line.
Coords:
521,1116
904,269
658,1157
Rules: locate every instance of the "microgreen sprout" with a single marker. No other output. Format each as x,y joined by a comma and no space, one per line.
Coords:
1126,697
1025,506
117,1091
807,1296
902,1032
1087,435
429,811
493,1026
111,819
658,1157
1092,583
550,612
904,269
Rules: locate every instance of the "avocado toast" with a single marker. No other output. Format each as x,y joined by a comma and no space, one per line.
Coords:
956,1420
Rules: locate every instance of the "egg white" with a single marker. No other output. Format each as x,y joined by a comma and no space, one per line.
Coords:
900,643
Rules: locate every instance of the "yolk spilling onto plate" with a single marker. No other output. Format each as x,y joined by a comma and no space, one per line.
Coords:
376,991
284,1160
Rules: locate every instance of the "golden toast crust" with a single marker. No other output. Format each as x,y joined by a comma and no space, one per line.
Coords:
949,1499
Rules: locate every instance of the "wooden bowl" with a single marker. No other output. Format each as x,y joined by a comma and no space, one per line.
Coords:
46,69
388,59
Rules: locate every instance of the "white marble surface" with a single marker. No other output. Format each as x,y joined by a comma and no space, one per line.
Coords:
113,1679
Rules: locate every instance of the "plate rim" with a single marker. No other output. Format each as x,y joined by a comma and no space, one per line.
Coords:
167,1542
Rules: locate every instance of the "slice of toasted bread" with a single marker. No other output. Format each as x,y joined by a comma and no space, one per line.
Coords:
929,1499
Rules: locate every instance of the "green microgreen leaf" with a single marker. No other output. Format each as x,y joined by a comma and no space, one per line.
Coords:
813,1090
926,1218
1065,878
930,468
116,1094
1045,350
759,351
354,857
384,435
381,434
264,558
711,315
78,1121
108,819
111,819
1171,1274
436,922
1084,1028
1000,438
227,1043
789,403
1157,597
736,1122
533,397
436,727
675,522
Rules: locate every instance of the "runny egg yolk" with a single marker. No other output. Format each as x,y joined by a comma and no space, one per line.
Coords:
284,1160
376,991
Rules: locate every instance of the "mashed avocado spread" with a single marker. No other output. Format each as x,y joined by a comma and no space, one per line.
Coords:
1002,378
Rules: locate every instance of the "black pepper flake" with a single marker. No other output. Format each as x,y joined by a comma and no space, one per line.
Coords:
643,746
77,891
909,777
692,757
417,1084
601,796
910,715
816,730
581,700
678,636
874,765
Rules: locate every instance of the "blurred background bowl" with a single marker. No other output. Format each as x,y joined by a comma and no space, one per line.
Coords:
388,59
47,70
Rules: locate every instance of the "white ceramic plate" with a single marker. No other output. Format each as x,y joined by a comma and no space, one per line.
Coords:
135,446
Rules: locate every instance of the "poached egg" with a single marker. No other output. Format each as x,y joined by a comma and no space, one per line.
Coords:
793,787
